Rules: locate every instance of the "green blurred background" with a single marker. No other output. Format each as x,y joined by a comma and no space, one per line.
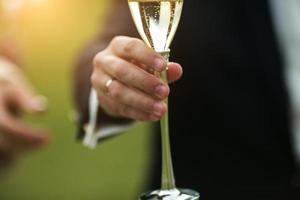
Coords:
51,33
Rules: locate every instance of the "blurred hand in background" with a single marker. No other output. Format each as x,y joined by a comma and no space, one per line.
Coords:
17,97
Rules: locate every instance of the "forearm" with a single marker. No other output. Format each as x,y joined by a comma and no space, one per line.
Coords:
119,23
10,51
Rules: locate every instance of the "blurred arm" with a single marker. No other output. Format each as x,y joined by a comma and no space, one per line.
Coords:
9,51
119,22
16,98
6,55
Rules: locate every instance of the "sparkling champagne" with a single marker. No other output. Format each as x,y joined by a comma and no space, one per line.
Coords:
156,21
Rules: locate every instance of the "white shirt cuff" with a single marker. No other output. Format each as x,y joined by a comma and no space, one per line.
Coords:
92,134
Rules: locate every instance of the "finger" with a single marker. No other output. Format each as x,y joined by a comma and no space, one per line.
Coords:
135,99
124,95
99,80
30,103
174,72
23,95
132,48
136,114
17,129
21,82
9,144
114,108
143,66
133,76
15,144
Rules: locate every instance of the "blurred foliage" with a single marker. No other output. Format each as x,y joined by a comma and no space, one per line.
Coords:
51,34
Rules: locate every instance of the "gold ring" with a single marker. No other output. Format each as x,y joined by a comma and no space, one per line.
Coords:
108,83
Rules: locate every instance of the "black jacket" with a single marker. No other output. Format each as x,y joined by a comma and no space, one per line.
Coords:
229,115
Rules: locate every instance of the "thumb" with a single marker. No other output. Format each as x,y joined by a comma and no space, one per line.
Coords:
174,72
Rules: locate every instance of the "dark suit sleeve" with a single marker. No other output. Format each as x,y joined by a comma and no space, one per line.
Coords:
119,22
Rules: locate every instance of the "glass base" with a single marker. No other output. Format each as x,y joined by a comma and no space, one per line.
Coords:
174,194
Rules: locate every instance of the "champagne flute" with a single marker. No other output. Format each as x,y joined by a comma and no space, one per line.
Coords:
157,22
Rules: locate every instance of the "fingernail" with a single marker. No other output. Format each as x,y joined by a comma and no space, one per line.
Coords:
161,91
159,64
40,103
158,108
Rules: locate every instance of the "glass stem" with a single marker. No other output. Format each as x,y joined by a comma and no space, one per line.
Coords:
167,179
